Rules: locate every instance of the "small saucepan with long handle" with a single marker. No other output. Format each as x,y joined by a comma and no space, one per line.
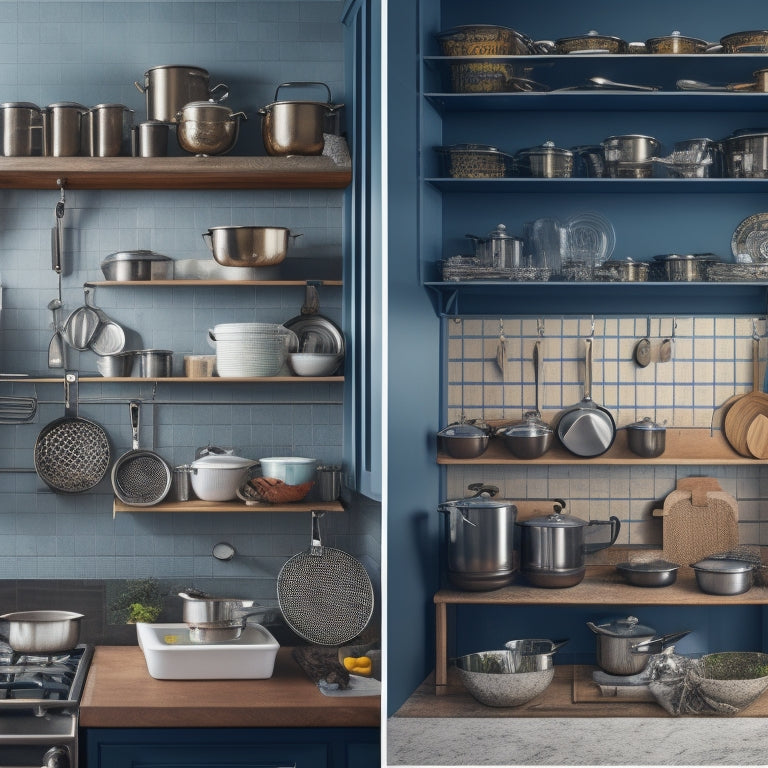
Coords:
586,429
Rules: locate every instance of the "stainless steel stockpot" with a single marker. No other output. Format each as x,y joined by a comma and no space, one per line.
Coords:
545,162
480,541
745,155
246,246
615,641
296,127
42,632
646,438
109,130
552,548
168,88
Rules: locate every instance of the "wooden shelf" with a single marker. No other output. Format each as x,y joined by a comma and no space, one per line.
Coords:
183,173
602,585
206,283
560,699
684,446
94,379
195,505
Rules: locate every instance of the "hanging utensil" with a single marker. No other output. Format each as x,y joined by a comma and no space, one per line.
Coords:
72,454
316,332
665,350
501,351
82,325
17,410
56,344
140,477
325,594
642,352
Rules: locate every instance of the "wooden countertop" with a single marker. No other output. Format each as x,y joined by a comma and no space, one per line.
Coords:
119,693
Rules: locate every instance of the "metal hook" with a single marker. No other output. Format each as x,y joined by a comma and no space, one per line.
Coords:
755,334
592,327
539,327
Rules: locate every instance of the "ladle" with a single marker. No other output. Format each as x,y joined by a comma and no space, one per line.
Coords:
604,82
56,345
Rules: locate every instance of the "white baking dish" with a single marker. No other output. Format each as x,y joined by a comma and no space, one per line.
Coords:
171,655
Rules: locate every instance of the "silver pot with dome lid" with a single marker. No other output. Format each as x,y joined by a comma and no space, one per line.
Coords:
499,249
553,547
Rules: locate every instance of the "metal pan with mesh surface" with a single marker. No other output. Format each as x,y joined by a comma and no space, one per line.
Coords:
72,454
140,477
325,594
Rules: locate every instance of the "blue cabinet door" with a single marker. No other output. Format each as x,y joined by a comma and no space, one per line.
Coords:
231,747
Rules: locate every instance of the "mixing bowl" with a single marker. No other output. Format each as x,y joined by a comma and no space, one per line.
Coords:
733,678
492,679
723,577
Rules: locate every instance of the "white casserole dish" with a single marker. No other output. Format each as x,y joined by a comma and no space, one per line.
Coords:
171,655
217,478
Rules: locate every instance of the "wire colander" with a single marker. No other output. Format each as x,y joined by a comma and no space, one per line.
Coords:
140,477
325,594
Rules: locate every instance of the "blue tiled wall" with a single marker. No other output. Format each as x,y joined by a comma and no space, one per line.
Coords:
92,52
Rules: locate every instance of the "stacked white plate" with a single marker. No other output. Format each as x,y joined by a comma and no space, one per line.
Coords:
251,349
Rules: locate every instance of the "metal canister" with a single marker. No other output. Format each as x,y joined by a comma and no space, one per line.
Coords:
22,129
109,129
63,129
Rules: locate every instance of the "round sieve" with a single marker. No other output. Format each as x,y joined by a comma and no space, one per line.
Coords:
325,594
72,454
140,477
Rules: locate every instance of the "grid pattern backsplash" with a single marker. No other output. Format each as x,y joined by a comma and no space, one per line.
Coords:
711,360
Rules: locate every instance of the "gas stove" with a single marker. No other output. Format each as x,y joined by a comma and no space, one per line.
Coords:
39,703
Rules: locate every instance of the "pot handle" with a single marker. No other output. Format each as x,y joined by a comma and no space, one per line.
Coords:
304,85
224,96
208,239
450,507
481,489
594,628
211,338
139,87
615,528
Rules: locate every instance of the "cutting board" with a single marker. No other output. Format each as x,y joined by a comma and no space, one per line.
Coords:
699,519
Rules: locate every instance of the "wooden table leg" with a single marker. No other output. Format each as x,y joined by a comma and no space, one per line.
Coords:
441,645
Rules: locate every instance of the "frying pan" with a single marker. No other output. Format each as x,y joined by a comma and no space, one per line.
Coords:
325,594
316,332
586,429
140,477
72,454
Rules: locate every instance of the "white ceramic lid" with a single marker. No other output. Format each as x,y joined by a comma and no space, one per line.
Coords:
222,462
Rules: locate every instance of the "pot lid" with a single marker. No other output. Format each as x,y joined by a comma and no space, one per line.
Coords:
628,627
500,233
682,257
224,461
715,565
462,430
139,255
471,148
478,502
630,136
530,426
547,148
648,566
647,424
676,35
589,36
555,520
206,111
196,70
67,105
19,105
111,106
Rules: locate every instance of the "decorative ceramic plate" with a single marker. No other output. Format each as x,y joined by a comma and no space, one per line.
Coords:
751,238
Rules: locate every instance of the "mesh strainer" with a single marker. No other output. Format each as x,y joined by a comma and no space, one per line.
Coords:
140,477
72,454
325,594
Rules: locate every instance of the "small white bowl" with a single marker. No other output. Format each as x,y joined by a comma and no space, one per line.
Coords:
314,363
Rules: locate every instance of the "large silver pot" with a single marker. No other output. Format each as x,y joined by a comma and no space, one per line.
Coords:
169,88
206,129
42,632
481,540
296,127
243,246
64,133
202,610
745,155
552,548
109,130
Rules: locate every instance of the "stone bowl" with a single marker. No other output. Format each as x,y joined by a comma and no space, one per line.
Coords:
732,678
491,678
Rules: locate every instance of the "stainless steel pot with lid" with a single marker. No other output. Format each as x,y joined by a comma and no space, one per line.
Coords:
646,438
553,547
676,43
624,646
545,161
169,87
206,128
480,540
63,133
591,42
498,249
